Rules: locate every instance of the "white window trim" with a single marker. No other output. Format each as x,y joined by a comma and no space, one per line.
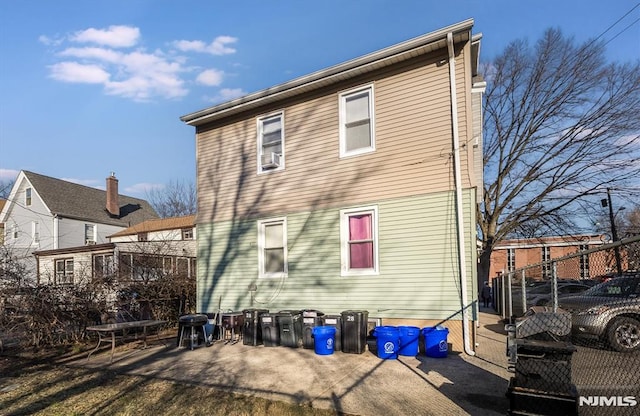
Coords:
259,125
344,242
261,244
342,110
35,232
94,238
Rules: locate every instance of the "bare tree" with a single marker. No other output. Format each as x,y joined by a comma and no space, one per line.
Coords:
176,199
561,126
5,188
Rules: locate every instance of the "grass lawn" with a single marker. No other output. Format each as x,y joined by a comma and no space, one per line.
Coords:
35,385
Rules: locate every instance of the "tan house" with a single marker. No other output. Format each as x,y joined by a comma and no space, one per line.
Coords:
351,188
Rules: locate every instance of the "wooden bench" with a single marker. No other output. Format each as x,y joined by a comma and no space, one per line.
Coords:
120,330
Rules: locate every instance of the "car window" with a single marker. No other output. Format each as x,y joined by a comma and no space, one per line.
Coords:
540,289
572,289
616,287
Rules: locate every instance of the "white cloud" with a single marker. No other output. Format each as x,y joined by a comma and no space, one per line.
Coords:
217,47
231,93
226,94
8,174
210,77
135,73
46,40
87,182
142,188
78,73
102,54
114,36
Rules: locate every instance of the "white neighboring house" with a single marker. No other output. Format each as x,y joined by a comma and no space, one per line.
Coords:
144,251
44,213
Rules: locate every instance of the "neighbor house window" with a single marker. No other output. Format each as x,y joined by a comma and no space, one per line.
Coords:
103,266
511,259
187,233
272,246
271,143
64,272
27,197
89,234
35,232
357,122
359,241
546,261
185,267
584,262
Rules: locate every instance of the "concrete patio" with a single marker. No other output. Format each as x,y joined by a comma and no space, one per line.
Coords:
359,384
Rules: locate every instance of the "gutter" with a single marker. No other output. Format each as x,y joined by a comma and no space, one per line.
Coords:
458,182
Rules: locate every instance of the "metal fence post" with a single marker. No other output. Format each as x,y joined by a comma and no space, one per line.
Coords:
523,285
554,285
510,304
503,295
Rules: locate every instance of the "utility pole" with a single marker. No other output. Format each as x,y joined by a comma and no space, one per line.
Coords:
614,232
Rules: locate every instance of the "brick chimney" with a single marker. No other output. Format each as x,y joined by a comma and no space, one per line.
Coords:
113,207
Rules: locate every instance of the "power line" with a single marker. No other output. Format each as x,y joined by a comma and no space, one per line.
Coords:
618,21
623,30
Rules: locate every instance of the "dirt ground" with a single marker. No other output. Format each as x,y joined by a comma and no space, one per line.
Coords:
38,383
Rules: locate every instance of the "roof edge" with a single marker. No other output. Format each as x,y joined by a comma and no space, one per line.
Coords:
200,117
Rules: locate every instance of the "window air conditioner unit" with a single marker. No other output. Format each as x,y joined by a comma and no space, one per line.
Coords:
271,160
89,242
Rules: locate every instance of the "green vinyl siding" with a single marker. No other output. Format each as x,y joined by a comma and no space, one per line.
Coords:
418,276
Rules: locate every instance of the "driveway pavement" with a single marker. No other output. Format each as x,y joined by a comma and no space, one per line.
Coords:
358,384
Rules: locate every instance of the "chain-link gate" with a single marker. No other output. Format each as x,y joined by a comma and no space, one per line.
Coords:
574,332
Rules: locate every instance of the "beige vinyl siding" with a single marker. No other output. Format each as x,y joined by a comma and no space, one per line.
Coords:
418,276
413,149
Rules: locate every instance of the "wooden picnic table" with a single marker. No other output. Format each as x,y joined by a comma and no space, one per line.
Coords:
110,332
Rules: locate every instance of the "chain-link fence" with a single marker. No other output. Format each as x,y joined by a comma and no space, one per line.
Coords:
574,332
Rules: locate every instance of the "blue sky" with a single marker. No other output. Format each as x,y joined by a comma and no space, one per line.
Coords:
91,87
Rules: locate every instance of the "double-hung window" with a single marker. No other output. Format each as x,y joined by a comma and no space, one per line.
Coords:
89,234
359,241
103,266
357,133
272,246
546,261
64,272
35,232
511,259
27,197
271,143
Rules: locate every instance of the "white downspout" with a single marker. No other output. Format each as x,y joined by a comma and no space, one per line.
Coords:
458,182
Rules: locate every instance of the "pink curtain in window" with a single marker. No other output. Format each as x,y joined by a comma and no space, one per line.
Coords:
361,253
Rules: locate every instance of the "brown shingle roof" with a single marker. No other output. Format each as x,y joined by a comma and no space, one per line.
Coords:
68,199
173,223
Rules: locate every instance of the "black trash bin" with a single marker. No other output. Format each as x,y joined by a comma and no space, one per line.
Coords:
251,328
290,327
336,322
354,331
310,319
270,331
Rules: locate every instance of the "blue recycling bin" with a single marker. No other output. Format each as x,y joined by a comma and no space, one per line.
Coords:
387,341
435,341
324,339
409,340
